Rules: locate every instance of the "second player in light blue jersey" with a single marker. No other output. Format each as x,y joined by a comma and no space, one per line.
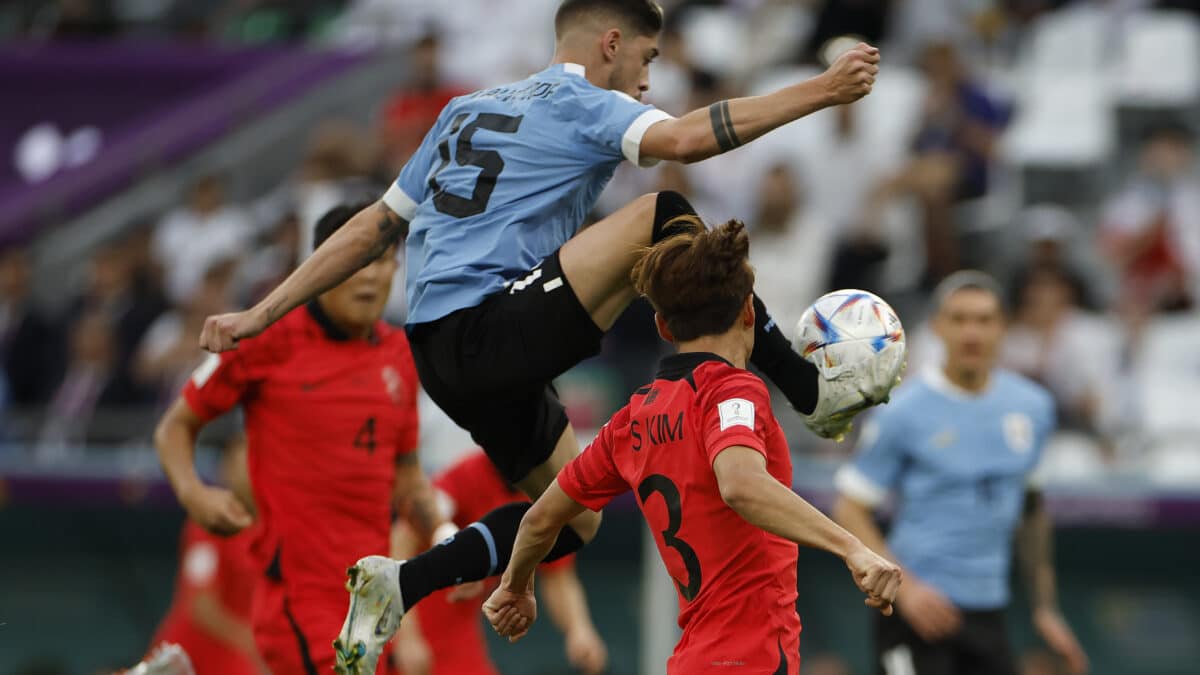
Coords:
506,291
956,451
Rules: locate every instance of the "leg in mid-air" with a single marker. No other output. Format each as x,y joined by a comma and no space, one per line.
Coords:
514,414
598,261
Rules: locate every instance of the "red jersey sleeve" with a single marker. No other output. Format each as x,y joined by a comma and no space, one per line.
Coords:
735,412
592,479
217,385
410,430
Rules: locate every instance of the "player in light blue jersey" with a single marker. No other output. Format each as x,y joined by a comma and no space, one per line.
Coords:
506,292
956,451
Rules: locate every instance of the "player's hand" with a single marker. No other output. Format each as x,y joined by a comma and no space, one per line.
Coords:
1054,630
216,509
222,332
876,576
930,613
511,614
586,651
852,75
467,591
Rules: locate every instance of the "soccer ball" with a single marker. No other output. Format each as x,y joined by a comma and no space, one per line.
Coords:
856,341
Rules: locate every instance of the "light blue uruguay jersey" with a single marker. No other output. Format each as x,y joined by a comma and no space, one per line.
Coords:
958,466
504,178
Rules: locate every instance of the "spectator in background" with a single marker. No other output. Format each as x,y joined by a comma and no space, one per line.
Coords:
867,20
842,182
1150,230
89,383
334,171
1053,342
169,352
1050,232
270,262
193,237
111,290
954,146
410,112
789,248
29,343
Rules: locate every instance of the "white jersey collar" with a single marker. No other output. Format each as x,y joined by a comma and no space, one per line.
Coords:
936,378
574,69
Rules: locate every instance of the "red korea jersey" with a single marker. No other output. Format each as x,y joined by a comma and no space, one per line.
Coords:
736,583
221,566
469,488
326,418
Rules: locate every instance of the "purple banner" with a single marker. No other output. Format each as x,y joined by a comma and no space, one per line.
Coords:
83,120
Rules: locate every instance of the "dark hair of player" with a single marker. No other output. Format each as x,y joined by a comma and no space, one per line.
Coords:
333,219
698,280
968,280
643,17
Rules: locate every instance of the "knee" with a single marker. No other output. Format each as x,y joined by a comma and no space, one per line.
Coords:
673,214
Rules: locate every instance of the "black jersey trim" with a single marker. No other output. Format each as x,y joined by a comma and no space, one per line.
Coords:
680,366
310,668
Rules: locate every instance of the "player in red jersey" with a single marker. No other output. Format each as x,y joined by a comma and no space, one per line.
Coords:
710,468
449,619
210,611
330,402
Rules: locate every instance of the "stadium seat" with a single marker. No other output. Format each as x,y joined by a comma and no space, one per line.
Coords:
1167,376
1072,457
1175,463
1160,61
1075,40
1062,122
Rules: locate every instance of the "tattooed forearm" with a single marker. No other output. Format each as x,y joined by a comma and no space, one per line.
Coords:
722,125
391,229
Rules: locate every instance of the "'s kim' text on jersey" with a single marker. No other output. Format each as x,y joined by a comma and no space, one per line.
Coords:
657,429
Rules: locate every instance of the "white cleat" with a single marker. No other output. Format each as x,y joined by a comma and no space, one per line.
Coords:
375,612
839,402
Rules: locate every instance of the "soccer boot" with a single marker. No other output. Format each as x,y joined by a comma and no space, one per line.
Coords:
375,612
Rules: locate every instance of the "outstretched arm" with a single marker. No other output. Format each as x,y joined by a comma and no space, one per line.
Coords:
726,125
512,608
361,240
750,490
1035,551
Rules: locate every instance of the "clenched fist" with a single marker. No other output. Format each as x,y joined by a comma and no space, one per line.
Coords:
876,576
222,332
852,75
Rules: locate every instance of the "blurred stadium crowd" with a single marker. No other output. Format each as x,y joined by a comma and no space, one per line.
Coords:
1050,143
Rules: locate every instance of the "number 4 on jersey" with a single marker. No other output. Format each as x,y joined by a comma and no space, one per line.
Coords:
365,439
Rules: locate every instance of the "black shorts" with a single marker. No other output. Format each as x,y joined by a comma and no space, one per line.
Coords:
980,647
490,367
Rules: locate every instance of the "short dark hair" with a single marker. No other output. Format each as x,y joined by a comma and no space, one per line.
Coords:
644,17
333,220
698,280
968,280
